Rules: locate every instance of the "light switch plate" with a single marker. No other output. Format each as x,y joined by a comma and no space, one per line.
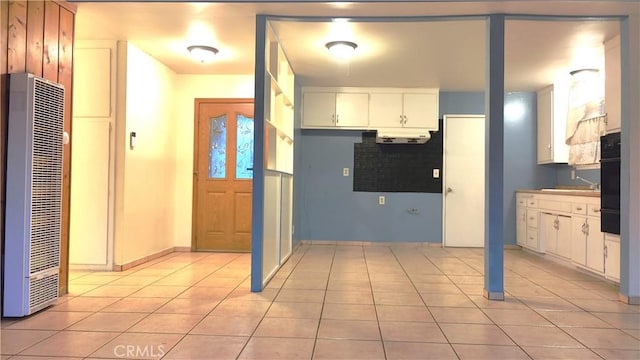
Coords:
381,200
345,171
436,173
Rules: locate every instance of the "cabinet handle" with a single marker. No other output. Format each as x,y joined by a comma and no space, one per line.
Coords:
549,146
596,210
337,118
586,228
401,119
532,218
579,208
606,252
405,119
333,118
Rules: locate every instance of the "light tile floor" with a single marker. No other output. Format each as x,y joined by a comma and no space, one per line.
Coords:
333,302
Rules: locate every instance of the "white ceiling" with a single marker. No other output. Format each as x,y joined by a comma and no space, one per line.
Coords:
446,54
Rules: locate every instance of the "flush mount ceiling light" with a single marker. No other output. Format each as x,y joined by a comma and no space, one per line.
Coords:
203,53
341,49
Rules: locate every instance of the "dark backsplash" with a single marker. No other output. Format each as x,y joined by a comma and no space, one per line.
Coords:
397,167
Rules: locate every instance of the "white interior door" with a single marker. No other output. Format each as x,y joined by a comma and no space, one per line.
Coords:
89,222
463,181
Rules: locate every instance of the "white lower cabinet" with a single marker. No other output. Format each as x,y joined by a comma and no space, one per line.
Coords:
587,243
612,257
595,245
568,228
521,227
579,240
532,230
555,234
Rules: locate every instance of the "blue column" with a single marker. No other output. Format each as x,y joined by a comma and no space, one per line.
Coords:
257,211
630,161
494,161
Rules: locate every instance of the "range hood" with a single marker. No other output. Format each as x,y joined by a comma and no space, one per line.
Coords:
402,136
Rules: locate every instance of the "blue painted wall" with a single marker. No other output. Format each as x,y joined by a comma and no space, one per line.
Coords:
521,169
563,176
327,208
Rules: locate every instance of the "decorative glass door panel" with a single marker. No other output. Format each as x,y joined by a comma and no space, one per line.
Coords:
218,147
244,147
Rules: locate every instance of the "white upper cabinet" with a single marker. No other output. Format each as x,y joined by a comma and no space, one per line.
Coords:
352,110
369,108
334,109
319,109
552,120
385,110
612,83
410,110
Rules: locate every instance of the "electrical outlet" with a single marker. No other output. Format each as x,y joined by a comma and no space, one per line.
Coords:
436,173
345,171
381,200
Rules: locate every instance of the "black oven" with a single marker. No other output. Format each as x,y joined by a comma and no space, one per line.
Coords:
610,183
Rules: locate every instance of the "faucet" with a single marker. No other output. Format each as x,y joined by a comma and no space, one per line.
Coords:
592,185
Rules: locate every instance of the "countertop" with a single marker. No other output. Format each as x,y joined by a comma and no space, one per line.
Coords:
573,192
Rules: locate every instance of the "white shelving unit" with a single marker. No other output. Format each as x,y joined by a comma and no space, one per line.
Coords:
280,81
278,159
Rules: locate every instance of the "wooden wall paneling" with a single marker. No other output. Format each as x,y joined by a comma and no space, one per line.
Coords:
35,36
65,77
51,33
4,27
17,40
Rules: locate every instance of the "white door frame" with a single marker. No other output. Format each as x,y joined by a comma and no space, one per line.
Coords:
444,175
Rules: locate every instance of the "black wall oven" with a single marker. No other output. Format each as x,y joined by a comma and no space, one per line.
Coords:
610,183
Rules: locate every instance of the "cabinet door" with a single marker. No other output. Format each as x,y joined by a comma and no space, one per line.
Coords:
532,239
352,110
612,260
521,225
420,111
385,110
545,125
595,245
318,109
548,233
563,237
578,240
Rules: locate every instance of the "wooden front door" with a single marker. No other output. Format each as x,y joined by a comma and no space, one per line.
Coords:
223,172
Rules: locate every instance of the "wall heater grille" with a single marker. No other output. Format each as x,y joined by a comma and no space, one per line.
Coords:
34,194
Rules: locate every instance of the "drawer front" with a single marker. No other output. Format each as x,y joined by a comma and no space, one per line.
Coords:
593,210
560,206
532,203
532,218
532,238
579,209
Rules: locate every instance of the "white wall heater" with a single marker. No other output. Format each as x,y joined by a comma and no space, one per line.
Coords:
34,194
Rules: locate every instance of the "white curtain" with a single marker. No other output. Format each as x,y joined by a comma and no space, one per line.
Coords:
586,119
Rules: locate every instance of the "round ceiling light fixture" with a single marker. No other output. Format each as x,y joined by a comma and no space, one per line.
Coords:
341,49
203,53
